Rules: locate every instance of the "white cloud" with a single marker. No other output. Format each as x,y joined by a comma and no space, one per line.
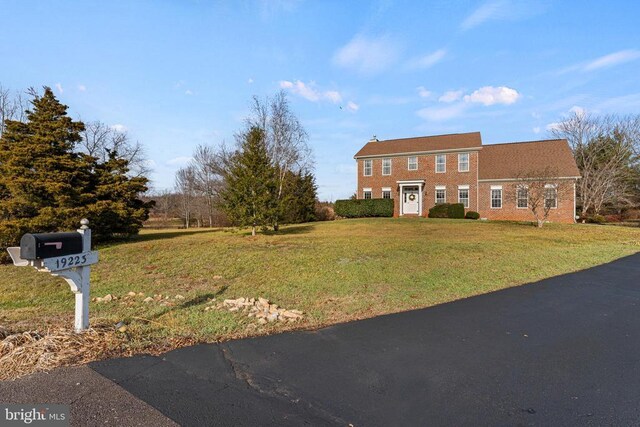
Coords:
179,161
579,111
612,59
489,10
309,91
352,106
333,96
119,128
367,55
553,126
619,104
188,92
494,10
250,80
82,88
428,61
59,87
536,129
423,92
437,114
490,95
451,96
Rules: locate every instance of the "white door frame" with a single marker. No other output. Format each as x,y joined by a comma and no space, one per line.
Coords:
420,185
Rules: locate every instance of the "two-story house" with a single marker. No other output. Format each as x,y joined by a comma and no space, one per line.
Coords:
421,172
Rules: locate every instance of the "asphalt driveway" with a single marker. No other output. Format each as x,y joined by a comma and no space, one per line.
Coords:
563,351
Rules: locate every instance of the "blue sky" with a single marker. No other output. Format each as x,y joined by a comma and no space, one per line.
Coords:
180,73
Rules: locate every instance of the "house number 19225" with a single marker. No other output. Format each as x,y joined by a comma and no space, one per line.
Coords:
71,261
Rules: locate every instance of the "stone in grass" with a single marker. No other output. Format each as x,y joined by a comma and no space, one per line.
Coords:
180,297
272,317
106,298
262,321
132,294
148,300
290,314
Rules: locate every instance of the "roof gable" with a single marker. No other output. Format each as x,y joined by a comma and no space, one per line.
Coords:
421,144
515,159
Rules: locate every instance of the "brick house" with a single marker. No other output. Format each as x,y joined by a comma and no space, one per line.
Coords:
420,172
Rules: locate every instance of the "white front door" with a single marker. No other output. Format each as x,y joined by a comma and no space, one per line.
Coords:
410,202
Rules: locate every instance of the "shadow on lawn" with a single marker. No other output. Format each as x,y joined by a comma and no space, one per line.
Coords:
294,229
200,299
172,234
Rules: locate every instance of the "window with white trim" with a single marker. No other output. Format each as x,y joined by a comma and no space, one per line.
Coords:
550,196
366,193
463,195
368,168
496,197
386,166
441,163
522,197
463,162
386,192
412,163
441,194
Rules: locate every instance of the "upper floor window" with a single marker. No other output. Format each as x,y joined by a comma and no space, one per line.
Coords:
496,197
463,162
441,163
413,163
368,167
386,166
550,196
522,196
366,193
386,193
441,194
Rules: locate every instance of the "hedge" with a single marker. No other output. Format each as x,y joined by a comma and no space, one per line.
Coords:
364,208
447,210
472,215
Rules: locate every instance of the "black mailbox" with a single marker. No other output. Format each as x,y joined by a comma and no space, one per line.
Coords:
50,245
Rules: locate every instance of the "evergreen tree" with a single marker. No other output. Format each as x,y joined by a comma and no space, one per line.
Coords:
47,185
300,195
42,180
116,208
249,194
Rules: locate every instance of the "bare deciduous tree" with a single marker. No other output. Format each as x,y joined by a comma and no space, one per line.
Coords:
99,139
606,149
208,167
186,188
286,140
539,191
13,106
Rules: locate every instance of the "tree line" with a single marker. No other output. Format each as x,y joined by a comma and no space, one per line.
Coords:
607,151
263,181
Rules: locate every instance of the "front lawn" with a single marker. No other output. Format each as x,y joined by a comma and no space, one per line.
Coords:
332,271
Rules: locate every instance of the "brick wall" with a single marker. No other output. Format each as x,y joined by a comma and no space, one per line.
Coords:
509,211
426,171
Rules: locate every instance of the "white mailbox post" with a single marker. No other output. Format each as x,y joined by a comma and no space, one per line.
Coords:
65,255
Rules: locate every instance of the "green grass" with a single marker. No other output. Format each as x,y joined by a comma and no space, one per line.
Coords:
333,271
